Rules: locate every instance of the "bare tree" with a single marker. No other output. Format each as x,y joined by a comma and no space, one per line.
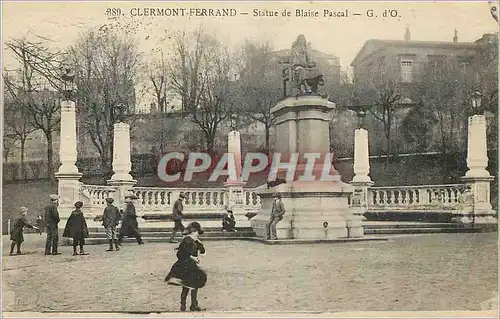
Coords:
200,72
107,66
158,75
444,90
259,83
382,90
18,127
35,87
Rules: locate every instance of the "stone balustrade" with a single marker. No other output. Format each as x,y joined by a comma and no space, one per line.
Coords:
94,196
422,197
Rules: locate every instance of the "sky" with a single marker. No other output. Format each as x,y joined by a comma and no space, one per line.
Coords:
62,22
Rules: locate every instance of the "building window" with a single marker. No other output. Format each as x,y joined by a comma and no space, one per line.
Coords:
406,71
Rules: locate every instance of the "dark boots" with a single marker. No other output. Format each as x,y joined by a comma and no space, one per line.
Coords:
74,250
117,246
194,302
110,245
12,246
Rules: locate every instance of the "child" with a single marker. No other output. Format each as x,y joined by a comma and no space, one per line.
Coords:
186,272
76,228
228,222
17,232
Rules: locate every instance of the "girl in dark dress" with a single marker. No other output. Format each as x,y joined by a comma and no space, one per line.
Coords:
76,228
186,272
17,232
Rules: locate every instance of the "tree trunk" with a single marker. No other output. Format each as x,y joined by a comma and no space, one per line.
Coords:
23,164
50,157
267,137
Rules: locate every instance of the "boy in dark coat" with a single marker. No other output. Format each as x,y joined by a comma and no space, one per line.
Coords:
17,232
110,219
185,272
76,228
129,225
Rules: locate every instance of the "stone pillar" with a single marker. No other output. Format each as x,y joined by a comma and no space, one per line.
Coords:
317,209
234,188
361,180
68,175
477,177
122,164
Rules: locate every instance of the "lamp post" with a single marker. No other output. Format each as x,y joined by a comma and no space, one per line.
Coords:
68,175
68,84
476,103
233,122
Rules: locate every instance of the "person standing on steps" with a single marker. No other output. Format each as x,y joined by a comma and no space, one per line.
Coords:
277,212
17,232
177,216
130,227
76,228
110,219
51,226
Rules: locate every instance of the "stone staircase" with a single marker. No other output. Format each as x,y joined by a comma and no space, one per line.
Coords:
401,227
371,228
152,235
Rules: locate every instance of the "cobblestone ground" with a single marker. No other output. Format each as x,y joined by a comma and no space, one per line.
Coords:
415,273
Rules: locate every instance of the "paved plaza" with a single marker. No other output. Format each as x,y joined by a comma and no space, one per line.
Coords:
435,272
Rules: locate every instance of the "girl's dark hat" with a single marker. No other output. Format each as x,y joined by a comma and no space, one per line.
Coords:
79,204
195,226
109,200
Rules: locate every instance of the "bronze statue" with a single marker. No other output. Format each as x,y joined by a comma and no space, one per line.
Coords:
303,74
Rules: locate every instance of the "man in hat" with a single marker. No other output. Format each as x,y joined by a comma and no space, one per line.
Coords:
110,219
51,225
277,212
177,216
130,226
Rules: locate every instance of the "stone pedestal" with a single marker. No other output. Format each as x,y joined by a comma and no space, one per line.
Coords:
477,178
122,165
361,181
235,187
315,209
68,175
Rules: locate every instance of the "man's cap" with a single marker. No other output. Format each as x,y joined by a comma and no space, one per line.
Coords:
131,196
54,197
195,226
23,209
182,195
79,204
109,200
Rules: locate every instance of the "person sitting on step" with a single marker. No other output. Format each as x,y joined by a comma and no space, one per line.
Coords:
228,222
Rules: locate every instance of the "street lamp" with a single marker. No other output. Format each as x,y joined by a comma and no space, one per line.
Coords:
68,83
233,121
360,112
476,103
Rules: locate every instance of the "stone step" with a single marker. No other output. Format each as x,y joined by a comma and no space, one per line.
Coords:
374,225
164,239
168,233
100,230
416,230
